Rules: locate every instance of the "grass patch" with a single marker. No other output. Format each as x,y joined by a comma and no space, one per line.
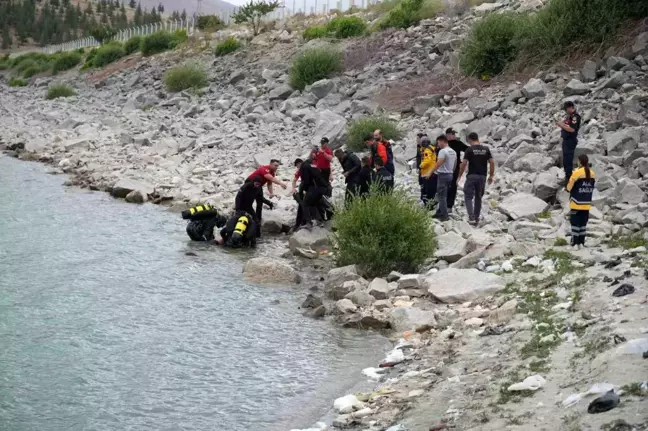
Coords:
506,396
560,242
313,65
358,129
17,82
162,41
410,12
66,61
132,45
315,32
627,242
185,77
107,54
563,261
634,389
59,90
383,233
347,26
544,215
562,27
539,366
228,46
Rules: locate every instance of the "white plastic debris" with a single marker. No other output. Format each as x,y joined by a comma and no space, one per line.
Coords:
507,266
362,413
481,265
493,268
347,404
595,389
634,347
531,383
373,373
533,261
561,306
394,357
571,400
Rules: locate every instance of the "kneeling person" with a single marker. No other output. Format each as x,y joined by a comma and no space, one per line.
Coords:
203,220
240,231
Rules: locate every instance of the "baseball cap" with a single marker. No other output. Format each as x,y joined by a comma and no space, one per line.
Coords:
324,140
450,130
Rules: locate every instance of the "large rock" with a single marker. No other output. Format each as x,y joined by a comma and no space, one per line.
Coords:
422,103
280,93
522,205
409,318
332,126
337,276
534,88
461,117
482,107
360,298
588,72
616,63
616,80
379,288
521,151
622,141
267,270
321,88
461,285
576,88
315,239
640,45
166,147
545,186
124,186
366,321
533,162
236,76
451,247
136,197
627,192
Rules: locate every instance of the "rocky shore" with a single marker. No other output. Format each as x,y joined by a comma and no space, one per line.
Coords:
499,304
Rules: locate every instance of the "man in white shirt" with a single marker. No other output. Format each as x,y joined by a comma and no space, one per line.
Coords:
444,168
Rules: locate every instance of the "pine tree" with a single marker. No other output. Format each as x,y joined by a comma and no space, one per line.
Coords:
132,4
6,37
137,18
88,9
161,8
175,16
183,15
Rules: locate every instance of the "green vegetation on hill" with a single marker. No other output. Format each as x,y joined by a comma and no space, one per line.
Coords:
346,26
313,65
383,233
359,129
132,45
107,54
66,61
185,77
315,32
228,46
407,13
562,27
59,90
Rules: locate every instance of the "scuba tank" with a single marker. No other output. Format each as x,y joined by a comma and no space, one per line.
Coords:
239,230
199,212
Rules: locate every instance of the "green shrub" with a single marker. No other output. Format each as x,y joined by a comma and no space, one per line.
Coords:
313,65
107,54
30,67
37,57
315,32
178,37
491,45
89,61
17,82
383,233
66,61
157,42
184,77
59,90
358,129
210,23
4,65
228,46
347,26
132,45
407,14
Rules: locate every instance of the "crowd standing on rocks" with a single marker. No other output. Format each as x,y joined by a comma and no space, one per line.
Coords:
505,327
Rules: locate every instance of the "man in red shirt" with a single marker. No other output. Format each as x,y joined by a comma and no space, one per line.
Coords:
267,174
322,157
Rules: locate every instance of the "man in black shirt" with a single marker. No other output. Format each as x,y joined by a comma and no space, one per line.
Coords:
569,135
458,147
364,177
315,187
350,168
478,158
382,177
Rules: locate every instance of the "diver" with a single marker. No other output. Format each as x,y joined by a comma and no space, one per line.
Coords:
240,231
203,221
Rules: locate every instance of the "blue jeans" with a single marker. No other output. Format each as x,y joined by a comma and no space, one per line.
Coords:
443,185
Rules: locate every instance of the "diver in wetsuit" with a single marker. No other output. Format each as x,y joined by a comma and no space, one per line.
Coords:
240,231
203,220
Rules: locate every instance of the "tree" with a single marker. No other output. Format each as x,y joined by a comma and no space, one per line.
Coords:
253,12
132,4
137,18
161,8
175,16
183,15
6,37
103,33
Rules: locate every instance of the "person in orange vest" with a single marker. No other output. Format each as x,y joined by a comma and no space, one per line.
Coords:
389,163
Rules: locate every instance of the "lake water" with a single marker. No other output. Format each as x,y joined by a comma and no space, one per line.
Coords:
107,324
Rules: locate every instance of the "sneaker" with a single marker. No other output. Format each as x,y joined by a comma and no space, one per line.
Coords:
441,219
473,222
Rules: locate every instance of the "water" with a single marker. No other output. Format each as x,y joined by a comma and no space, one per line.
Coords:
106,324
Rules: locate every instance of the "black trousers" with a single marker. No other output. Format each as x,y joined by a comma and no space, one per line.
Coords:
452,190
568,149
312,201
578,220
429,189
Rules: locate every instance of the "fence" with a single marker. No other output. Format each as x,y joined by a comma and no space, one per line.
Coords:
305,7
124,35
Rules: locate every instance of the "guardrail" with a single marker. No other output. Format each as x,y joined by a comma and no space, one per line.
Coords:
123,35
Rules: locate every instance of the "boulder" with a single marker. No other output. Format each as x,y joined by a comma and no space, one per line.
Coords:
312,301
166,147
504,313
588,72
360,298
522,205
460,285
337,276
409,281
344,306
461,117
281,92
576,88
640,45
330,125
451,247
627,192
616,63
616,80
534,88
620,142
379,288
272,224
266,270
321,88
236,76
123,187
75,144
409,318
315,239
339,291
482,107
366,321
521,151
545,186
533,162
422,103
136,197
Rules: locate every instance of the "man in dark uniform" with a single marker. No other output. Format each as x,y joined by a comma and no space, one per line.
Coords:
458,147
569,134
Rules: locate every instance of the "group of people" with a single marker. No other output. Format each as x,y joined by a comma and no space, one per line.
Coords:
440,168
